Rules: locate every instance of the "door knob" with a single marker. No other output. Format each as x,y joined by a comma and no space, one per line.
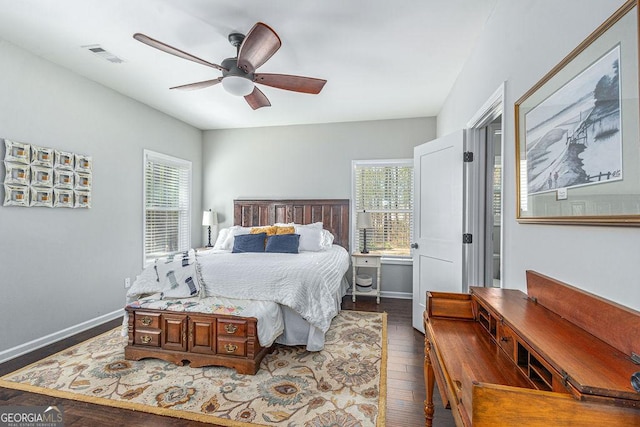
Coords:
414,246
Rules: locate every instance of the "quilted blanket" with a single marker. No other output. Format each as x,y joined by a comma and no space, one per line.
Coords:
307,282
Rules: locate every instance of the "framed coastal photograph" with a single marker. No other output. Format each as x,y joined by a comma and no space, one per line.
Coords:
577,133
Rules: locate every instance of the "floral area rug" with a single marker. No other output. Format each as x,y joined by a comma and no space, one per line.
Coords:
342,385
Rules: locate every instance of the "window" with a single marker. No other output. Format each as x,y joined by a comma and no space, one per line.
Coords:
385,189
167,205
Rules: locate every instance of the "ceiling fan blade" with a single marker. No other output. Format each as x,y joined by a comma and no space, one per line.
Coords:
173,51
198,85
288,82
258,46
256,99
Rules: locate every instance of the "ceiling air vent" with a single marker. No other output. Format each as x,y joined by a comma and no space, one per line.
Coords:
104,54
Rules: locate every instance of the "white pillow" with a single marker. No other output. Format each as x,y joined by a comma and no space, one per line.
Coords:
327,239
310,237
234,231
223,234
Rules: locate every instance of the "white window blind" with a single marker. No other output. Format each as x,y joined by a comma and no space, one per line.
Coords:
167,205
385,189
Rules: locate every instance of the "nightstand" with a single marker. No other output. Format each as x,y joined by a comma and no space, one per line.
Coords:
370,260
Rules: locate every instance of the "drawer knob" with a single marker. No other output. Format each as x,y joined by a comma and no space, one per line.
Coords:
146,339
504,339
230,348
230,328
146,320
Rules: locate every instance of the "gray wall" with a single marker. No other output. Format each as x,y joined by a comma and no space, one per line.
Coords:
523,41
62,267
306,161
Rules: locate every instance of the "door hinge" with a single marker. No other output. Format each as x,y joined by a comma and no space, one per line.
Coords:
467,238
467,157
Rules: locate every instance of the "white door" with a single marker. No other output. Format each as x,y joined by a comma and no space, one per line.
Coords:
438,216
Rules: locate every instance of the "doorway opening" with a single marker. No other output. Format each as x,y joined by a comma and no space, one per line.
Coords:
484,258
493,212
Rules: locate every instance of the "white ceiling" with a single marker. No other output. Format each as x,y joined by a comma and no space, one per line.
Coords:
382,59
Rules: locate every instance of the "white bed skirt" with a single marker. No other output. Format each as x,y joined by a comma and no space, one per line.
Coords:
298,331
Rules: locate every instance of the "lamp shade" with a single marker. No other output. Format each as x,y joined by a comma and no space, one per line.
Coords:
236,85
364,220
209,218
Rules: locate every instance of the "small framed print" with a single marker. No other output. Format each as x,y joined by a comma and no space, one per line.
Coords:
82,199
41,177
63,179
83,181
83,163
17,173
42,197
41,156
63,160
16,195
17,152
62,198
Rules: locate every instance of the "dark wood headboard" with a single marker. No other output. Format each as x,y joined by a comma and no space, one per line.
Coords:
333,213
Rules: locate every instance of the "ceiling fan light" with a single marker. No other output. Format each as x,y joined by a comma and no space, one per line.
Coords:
238,86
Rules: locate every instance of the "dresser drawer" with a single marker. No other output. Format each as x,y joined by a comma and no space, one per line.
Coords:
232,327
230,346
147,337
147,320
366,261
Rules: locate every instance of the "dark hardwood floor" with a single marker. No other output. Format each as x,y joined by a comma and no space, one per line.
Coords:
405,379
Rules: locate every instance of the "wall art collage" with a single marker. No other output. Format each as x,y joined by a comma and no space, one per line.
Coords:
40,176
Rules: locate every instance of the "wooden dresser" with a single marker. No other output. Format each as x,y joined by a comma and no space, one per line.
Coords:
198,338
556,356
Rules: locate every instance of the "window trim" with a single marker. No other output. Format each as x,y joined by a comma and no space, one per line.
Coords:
353,240
169,160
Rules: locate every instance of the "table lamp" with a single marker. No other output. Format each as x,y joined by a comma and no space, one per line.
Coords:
208,219
364,222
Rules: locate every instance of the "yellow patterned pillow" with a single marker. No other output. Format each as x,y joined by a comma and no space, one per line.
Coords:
285,230
270,230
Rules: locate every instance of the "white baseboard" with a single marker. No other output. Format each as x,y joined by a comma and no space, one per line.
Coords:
397,295
27,347
390,294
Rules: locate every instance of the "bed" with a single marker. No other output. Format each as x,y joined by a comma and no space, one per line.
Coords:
293,297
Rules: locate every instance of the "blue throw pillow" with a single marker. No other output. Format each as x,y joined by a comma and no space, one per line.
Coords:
283,243
249,243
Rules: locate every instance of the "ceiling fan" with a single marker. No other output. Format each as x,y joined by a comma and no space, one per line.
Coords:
238,74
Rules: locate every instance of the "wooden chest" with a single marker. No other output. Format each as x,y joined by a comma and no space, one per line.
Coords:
198,338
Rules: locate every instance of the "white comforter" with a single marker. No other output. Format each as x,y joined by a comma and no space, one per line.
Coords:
307,282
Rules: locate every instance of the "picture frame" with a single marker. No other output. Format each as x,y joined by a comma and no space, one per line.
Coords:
83,163
62,198
41,197
577,132
63,179
17,173
17,152
82,199
63,160
83,181
41,176
41,156
16,195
